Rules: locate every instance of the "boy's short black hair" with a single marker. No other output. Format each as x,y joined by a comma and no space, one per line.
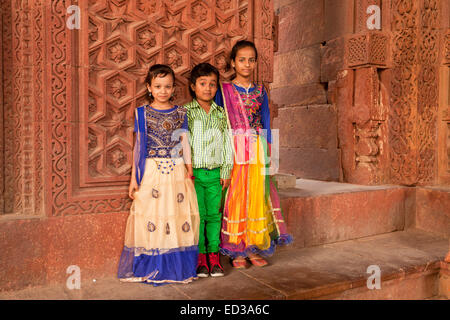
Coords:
201,70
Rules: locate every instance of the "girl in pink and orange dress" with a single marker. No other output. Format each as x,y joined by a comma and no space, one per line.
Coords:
253,223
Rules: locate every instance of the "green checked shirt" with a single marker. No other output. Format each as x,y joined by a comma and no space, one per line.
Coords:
209,138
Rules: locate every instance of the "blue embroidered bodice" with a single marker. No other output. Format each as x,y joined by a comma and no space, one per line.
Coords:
163,131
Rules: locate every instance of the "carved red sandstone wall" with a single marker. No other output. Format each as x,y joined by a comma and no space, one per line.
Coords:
394,106
94,79
22,143
2,140
362,99
444,100
413,110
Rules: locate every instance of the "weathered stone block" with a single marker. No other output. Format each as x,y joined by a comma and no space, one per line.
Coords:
321,219
309,94
301,25
338,18
279,4
299,67
307,127
38,251
320,164
284,180
433,210
332,59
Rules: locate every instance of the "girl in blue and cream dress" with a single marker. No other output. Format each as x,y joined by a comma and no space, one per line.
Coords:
161,237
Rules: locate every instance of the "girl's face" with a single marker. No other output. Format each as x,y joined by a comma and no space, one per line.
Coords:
162,88
205,87
245,62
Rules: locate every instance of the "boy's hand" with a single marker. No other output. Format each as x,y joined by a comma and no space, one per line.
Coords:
132,188
225,183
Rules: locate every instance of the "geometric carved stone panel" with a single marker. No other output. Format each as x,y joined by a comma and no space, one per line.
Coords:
124,38
369,48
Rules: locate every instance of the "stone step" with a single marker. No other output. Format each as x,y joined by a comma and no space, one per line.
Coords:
409,262
319,212
39,251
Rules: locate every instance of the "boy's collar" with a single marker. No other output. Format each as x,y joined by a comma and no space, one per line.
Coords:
197,104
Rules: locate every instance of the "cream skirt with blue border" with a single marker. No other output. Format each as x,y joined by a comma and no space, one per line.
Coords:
161,237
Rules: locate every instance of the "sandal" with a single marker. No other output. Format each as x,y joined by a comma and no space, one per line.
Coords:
258,262
239,263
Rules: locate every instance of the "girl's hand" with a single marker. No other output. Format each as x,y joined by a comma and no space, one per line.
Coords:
190,172
225,183
132,188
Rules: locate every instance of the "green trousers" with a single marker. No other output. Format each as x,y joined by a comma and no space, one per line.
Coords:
209,195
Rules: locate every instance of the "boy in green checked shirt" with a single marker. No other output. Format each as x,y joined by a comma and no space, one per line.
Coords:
212,161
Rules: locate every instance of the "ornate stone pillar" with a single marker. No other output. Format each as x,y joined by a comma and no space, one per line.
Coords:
394,106
22,80
362,115
444,99
414,92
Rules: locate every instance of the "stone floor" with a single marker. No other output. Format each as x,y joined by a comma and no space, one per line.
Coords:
408,260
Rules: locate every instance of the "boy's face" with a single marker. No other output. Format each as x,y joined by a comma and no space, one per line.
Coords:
205,87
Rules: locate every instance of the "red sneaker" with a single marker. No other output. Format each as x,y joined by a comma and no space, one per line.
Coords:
214,263
202,266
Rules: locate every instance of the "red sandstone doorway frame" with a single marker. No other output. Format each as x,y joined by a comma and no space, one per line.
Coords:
22,51
65,195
